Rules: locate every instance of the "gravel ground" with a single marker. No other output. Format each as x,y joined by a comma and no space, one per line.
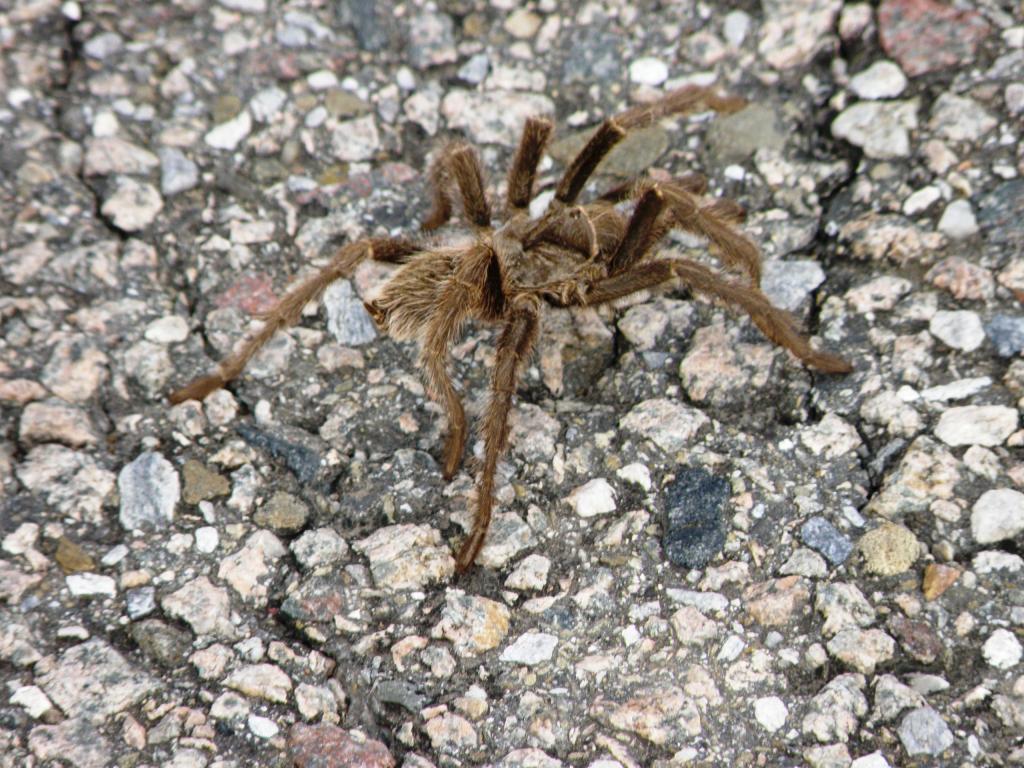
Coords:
703,554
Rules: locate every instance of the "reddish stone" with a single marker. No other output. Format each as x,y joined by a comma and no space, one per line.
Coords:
775,603
328,746
917,638
925,36
252,294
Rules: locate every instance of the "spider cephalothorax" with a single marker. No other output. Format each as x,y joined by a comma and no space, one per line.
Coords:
572,255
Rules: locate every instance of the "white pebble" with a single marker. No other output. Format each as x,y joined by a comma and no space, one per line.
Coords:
987,425
961,329
91,585
770,712
230,133
1002,650
882,80
594,498
958,220
636,473
32,699
167,330
322,79
648,71
207,539
530,649
998,515
263,727
921,200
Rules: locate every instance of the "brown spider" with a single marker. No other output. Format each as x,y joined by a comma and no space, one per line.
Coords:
573,255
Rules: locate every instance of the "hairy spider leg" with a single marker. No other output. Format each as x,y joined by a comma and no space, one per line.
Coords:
615,128
288,310
693,182
713,222
458,164
514,346
523,171
461,294
777,325
642,232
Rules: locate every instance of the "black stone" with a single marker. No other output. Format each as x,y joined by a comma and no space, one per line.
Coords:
303,461
694,529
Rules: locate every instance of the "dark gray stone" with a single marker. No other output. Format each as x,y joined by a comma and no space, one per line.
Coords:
694,530
1000,213
167,645
1006,334
818,533
303,461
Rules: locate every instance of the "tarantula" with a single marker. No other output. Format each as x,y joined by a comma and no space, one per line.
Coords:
573,255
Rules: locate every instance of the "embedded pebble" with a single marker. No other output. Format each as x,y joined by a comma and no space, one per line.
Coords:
530,649
959,118
862,649
52,421
880,128
177,172
669,424
262,681
347,318
170,329
596,497
203,606
835,711
262,727
356,140
889,549
997,515
91,585
472,624
406,556
882,80
960,329
1006,334
150,490
648,71
987,425
694,529
494,117
770,712
818,533
530,574
93,680
790,283
805,562
922,731
958,220
133,205
229,134
322,546
1002,650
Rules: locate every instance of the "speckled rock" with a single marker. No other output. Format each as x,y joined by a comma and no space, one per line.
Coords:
150,490
889,549
92,680
327,746
923,732
406,556
997,515
694,528
472,624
